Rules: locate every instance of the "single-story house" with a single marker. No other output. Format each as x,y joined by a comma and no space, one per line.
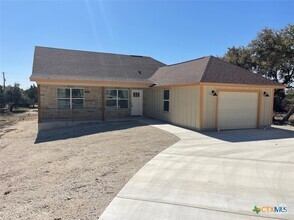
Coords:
201,94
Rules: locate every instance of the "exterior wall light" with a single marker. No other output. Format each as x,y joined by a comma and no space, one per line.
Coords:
213,93
265,94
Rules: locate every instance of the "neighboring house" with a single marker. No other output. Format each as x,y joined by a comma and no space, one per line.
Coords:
202,94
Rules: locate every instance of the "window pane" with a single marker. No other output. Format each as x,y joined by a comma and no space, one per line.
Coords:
111,94
63,93
166,106
123,94
111,103
166,94
136,94
63,103
123,103
77,93
77,103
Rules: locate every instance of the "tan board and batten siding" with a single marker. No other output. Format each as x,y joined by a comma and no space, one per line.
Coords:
184,105
210,105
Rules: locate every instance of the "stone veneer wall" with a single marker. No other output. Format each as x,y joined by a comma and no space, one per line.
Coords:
49,110
93,105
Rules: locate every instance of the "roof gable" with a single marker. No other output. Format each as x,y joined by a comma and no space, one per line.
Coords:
182,73
220,71
207,70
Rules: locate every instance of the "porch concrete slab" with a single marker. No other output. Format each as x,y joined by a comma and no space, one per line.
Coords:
212,175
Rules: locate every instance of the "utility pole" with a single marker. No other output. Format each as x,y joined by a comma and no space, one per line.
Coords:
4,80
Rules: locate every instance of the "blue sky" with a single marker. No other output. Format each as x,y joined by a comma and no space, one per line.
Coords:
170,31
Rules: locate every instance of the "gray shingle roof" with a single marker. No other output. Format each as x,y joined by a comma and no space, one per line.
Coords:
181,73
62,64
220,71
207,69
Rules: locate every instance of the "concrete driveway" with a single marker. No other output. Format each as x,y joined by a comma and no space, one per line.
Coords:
212,176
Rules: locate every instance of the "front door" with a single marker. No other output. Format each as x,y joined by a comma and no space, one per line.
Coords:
137,102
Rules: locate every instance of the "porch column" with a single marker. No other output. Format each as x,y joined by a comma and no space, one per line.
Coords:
103,104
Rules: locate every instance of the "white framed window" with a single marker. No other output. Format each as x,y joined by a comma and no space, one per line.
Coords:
70,98
166,100
117,98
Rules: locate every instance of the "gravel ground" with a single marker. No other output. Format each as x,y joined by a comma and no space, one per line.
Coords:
71,173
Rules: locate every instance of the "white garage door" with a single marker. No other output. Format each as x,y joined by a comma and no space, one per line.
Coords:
237,110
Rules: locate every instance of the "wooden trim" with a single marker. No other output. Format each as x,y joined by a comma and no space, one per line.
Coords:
216,111
259,93
177,85
243,85
201,107
87,82
39,103
259,109
103,104
238,90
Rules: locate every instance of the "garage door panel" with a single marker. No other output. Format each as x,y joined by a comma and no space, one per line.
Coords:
237,110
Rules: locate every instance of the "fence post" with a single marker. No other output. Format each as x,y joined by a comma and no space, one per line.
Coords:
103,104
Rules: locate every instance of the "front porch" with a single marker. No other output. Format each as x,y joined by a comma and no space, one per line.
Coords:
53,118
81,114
70,105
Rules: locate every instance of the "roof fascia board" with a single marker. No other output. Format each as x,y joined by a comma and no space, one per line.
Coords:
89,83
176,85
243,85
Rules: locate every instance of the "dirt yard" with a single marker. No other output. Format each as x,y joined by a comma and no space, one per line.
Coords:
8,119
70,173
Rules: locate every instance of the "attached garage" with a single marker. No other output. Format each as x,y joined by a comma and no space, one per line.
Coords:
220,96
237,110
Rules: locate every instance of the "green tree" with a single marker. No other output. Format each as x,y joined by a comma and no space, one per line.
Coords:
240,56
32,95
2,103
13,95
270,54
273,54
